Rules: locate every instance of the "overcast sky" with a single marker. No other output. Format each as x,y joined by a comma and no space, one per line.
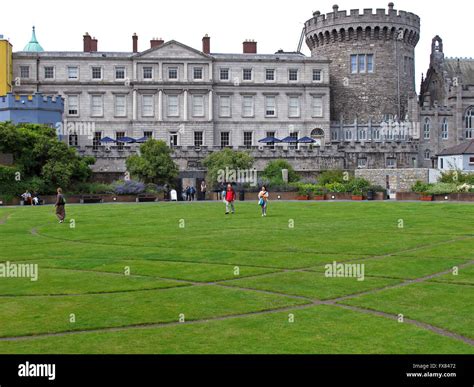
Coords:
275,24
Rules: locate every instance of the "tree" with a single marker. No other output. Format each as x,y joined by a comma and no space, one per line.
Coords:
273,174
154,164
226,159
41,160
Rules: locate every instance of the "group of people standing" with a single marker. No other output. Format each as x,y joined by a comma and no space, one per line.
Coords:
229,197
31,199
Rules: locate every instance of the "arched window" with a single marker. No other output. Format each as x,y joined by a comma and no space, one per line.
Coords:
469,123
427,129
317,133
445,129
427,154
348,135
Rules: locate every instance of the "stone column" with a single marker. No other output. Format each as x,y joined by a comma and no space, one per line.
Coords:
160,105
134,104
211,107
185,105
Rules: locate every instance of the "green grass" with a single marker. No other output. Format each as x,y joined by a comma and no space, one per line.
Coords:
232,277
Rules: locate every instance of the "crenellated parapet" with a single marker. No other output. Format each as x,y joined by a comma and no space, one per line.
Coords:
378,24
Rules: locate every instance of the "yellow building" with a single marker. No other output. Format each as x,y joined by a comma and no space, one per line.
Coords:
6,67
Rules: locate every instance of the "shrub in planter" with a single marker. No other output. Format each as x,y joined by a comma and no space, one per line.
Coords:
336,188
304,191
442,189
318,192
357,194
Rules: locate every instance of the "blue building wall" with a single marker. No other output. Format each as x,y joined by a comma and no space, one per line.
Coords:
35,109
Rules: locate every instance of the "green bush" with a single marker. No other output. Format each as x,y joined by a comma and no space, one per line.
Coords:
420,187
442,189
272,172
92,188
358,185
329,177
336,187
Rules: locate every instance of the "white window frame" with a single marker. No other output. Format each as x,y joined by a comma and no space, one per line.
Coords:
198,68
53,74
271,71
196,145
148,110
221,138
101,73
97,97
320,76
124,73
198,108
445,129
426,128
228,74
248,146
268,107
292,72
117,112
252,106
317,109
222,107
69,99
169,105
291,112
173,68
69,68
27,68
245,72
151,74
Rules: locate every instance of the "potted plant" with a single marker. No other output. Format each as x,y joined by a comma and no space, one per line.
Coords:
423,189
318,192
357,194
304,191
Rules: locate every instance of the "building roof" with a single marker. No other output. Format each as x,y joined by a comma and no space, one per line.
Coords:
465,148
33,45
461,66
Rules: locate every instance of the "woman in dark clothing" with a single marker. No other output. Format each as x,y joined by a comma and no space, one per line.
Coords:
60,206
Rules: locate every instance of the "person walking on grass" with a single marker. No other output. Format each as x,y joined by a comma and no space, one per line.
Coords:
60,206
229,199
263,200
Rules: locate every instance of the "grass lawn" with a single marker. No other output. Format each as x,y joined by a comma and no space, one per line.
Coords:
185,278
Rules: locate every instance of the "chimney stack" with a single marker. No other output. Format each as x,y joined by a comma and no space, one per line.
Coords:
87,42
135,43
94,43
155,42
250,47
206,44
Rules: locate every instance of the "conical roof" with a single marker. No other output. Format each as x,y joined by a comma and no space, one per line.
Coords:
33,45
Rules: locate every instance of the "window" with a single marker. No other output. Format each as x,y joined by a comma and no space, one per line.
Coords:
198,105
294,107
376,134
49,72
24,71
198,139
173,73
317,106
248,140
224,74
445,129
362,163
427,129
120,105
97,106
73,139
72,105
441,163
354,64
293,145
334,135
173,140
173,105
96,140
471,160
469,123
147,72
317,75
427,154
271,145
73,73
270,106
348,135
391,162
293,75
148,134
147,106
247,74
96,72
362,135
197,73
119,135
120,72
224,106
225,139
247,109
270,74
362,63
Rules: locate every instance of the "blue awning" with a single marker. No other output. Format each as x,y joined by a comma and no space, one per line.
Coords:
270,140
107,140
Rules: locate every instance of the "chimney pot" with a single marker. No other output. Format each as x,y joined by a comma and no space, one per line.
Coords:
87,42
250,47
156,42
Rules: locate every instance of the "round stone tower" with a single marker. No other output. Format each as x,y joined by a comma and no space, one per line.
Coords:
372,53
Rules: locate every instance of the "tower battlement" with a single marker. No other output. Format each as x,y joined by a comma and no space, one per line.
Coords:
378,24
